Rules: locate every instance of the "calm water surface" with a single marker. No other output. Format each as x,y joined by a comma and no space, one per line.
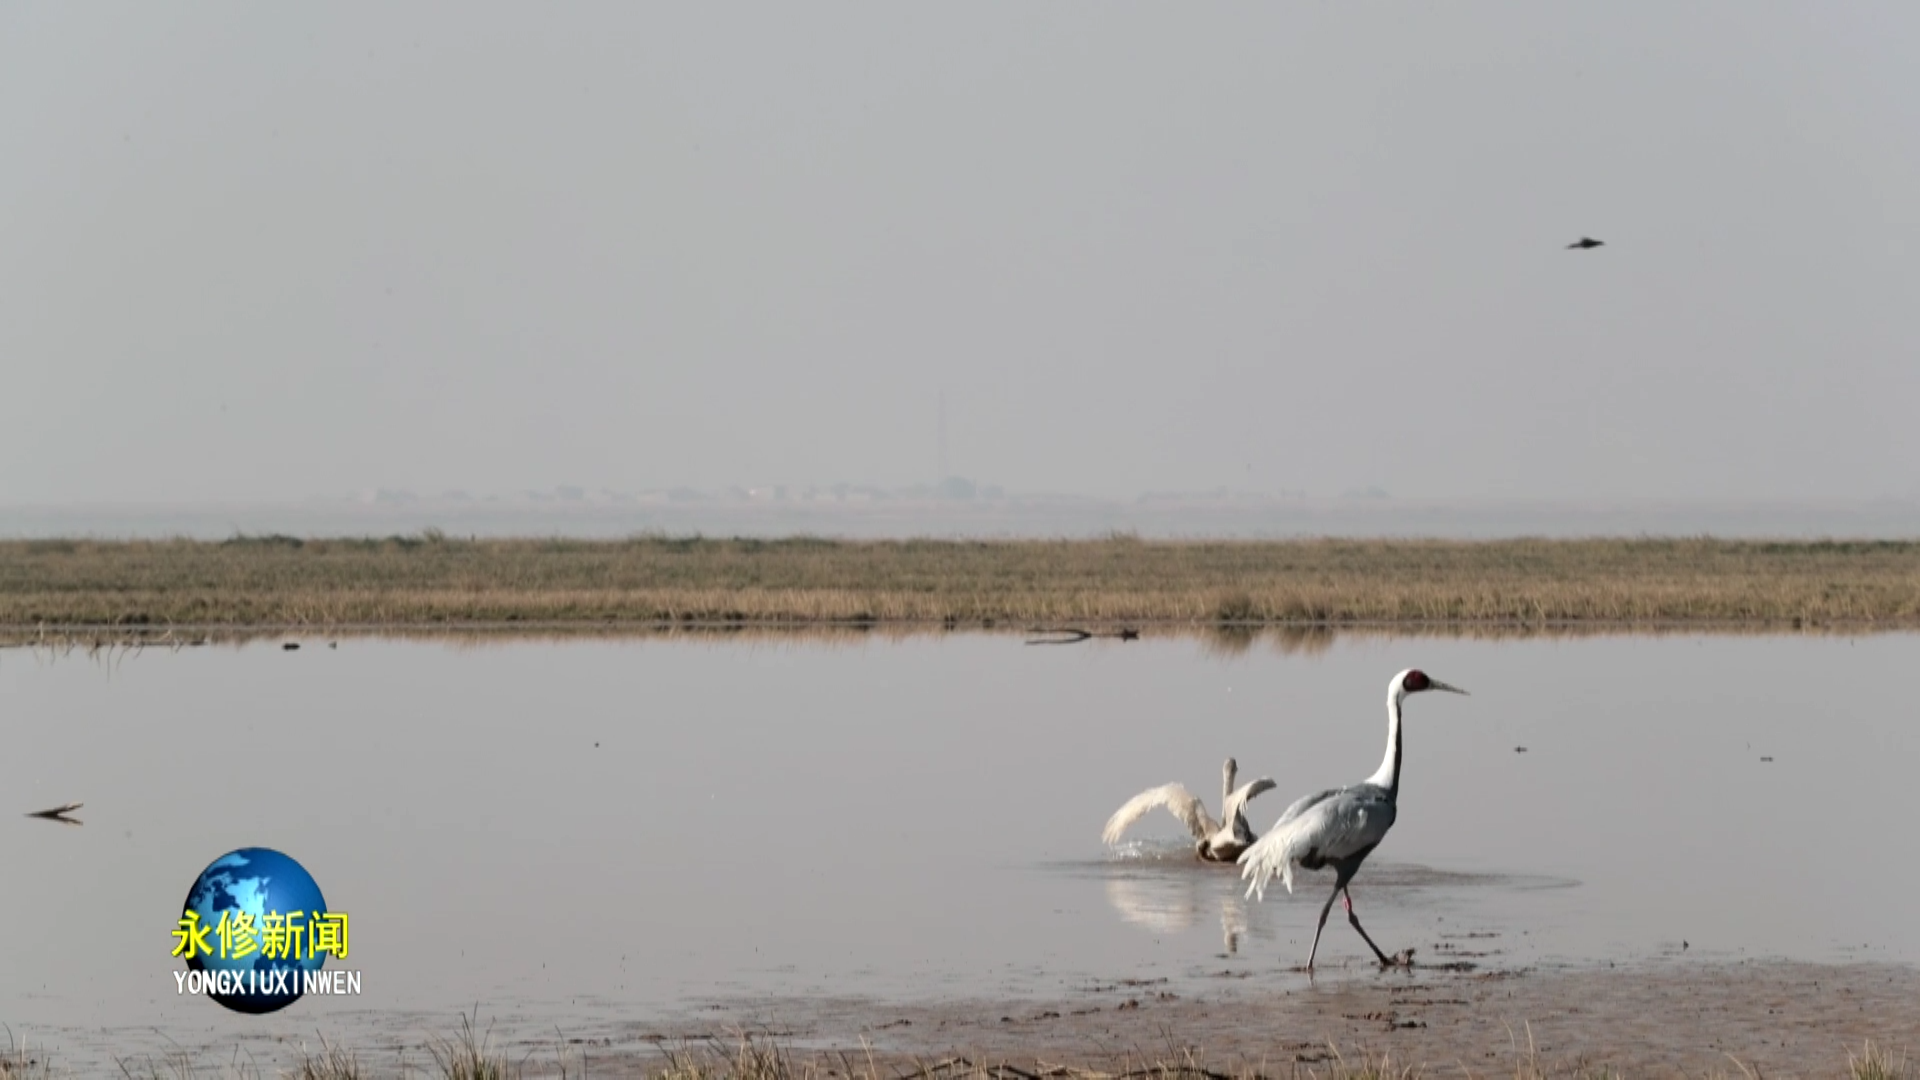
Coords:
634,828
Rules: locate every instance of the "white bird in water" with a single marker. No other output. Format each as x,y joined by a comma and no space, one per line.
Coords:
1214,841
1339,827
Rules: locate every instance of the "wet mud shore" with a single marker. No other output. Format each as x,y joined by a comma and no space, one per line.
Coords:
1656,1019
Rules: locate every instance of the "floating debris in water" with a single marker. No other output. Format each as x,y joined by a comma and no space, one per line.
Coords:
1125,633
1519,749
1766,759
290,646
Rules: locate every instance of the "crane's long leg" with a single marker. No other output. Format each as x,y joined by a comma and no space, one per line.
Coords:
1323,925
1347,901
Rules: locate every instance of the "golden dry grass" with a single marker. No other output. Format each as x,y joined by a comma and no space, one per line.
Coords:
18,1062
430,580
1876,1063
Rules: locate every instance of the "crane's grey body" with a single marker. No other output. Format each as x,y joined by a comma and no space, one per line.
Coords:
1339,827
1349,822
1214,841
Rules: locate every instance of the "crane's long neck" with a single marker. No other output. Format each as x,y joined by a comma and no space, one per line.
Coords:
1389,775
1226,787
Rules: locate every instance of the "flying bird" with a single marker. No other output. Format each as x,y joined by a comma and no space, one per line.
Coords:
59,814
1214,841
1339,827
1586,242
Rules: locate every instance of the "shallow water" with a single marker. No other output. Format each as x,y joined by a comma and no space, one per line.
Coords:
602,829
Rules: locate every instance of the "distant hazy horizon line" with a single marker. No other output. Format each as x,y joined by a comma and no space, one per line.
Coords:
712,498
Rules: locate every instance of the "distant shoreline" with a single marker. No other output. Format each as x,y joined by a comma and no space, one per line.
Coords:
429,581
1220,515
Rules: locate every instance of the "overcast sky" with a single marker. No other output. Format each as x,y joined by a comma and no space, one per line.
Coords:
258,251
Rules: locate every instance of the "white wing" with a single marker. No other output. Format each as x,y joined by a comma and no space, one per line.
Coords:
1178,801
1237,802
1300,805
1330,825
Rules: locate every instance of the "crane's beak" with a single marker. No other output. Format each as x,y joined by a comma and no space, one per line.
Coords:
1436,684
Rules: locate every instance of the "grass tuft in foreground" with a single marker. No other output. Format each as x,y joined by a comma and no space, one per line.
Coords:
467,1057
1876,1063
331,1063
18,1062
433,580
749,1060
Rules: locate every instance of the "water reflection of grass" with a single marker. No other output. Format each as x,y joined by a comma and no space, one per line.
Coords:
434,580
110,644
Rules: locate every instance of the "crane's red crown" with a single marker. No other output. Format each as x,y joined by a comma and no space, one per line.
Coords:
1415,680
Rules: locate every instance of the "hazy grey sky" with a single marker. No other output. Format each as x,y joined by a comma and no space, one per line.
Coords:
254,251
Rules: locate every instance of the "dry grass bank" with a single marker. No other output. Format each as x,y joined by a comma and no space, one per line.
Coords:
432,580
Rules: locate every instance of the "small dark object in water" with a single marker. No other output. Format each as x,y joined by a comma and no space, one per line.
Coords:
333,644
1683,945
1124,634
596,746
1586,242
1519,749
59,814
290,646
1766,759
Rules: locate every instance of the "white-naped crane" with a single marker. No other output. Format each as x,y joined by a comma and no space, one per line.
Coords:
1339,827
1214,841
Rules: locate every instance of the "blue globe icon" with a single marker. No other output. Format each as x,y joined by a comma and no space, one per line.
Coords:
268,893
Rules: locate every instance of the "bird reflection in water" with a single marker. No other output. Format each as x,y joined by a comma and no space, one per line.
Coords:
1176,902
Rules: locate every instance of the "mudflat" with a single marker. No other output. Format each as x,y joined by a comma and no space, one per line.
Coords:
1659,1018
